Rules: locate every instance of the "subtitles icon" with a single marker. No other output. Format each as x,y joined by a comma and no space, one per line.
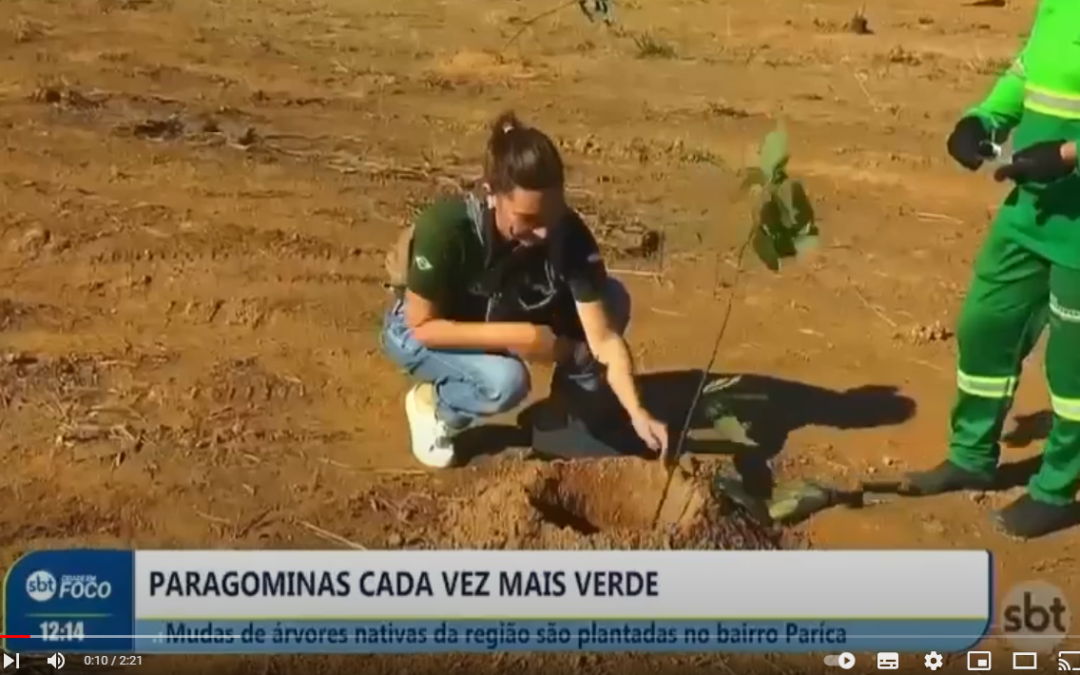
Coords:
978,660
888,661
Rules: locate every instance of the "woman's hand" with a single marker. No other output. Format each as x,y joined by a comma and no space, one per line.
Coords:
650,430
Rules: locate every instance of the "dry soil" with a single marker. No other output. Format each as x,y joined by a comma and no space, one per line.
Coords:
195,197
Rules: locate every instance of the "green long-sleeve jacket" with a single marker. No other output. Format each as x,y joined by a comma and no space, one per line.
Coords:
1038,99
1045,77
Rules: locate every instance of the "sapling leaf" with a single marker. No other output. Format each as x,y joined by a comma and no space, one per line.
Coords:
782,217
774,155
765,249
758,198
783,238
770,215
752,177
597,10
806,233
803,209
785,210
805,242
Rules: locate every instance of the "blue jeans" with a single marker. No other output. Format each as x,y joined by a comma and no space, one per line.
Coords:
470,385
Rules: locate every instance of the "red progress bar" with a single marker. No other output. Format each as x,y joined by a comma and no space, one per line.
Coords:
15,636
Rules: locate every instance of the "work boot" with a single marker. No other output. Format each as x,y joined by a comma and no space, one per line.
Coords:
944,478
1029,518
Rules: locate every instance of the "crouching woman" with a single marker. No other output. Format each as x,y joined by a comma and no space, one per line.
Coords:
486,282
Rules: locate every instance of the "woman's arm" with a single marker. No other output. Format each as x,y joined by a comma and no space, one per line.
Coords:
435,273
610,349
422,316
581,264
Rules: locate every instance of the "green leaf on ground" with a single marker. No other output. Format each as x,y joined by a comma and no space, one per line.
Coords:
720,384
730,429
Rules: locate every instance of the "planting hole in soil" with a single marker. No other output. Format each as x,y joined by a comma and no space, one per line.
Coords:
592,497
607,503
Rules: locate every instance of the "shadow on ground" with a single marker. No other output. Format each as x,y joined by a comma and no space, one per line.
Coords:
1028,429
490,439
770,408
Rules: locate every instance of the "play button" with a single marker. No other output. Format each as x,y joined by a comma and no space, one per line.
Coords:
8,661
846,661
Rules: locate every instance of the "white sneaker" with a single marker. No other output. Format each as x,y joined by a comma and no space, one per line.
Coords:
432,440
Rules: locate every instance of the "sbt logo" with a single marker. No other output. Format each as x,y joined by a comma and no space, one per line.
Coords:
42,586
1035,616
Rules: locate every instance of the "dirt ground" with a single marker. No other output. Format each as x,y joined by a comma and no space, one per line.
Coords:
196,196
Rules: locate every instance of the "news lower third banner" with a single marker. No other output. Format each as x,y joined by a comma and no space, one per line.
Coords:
325,602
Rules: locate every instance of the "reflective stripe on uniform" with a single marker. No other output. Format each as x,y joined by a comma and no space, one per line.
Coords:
1066,408
985,387
1055,104
1063,313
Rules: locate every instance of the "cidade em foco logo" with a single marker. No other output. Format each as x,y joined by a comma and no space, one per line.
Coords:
42,586
1035,616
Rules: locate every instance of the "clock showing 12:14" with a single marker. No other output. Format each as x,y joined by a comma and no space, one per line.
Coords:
62,631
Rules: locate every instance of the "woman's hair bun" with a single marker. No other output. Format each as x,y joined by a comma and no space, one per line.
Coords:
506,122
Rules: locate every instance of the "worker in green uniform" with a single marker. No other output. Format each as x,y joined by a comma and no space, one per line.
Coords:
485,282
1026,277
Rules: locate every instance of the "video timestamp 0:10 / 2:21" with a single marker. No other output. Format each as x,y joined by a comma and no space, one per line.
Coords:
112,660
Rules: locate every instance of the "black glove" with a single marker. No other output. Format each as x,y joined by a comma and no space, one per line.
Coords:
970,143
1039,163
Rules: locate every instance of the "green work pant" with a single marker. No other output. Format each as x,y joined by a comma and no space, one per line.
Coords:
1014,295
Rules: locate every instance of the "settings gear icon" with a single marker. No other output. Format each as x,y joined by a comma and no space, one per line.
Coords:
934,661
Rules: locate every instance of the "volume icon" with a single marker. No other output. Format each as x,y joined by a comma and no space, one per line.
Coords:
56,660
